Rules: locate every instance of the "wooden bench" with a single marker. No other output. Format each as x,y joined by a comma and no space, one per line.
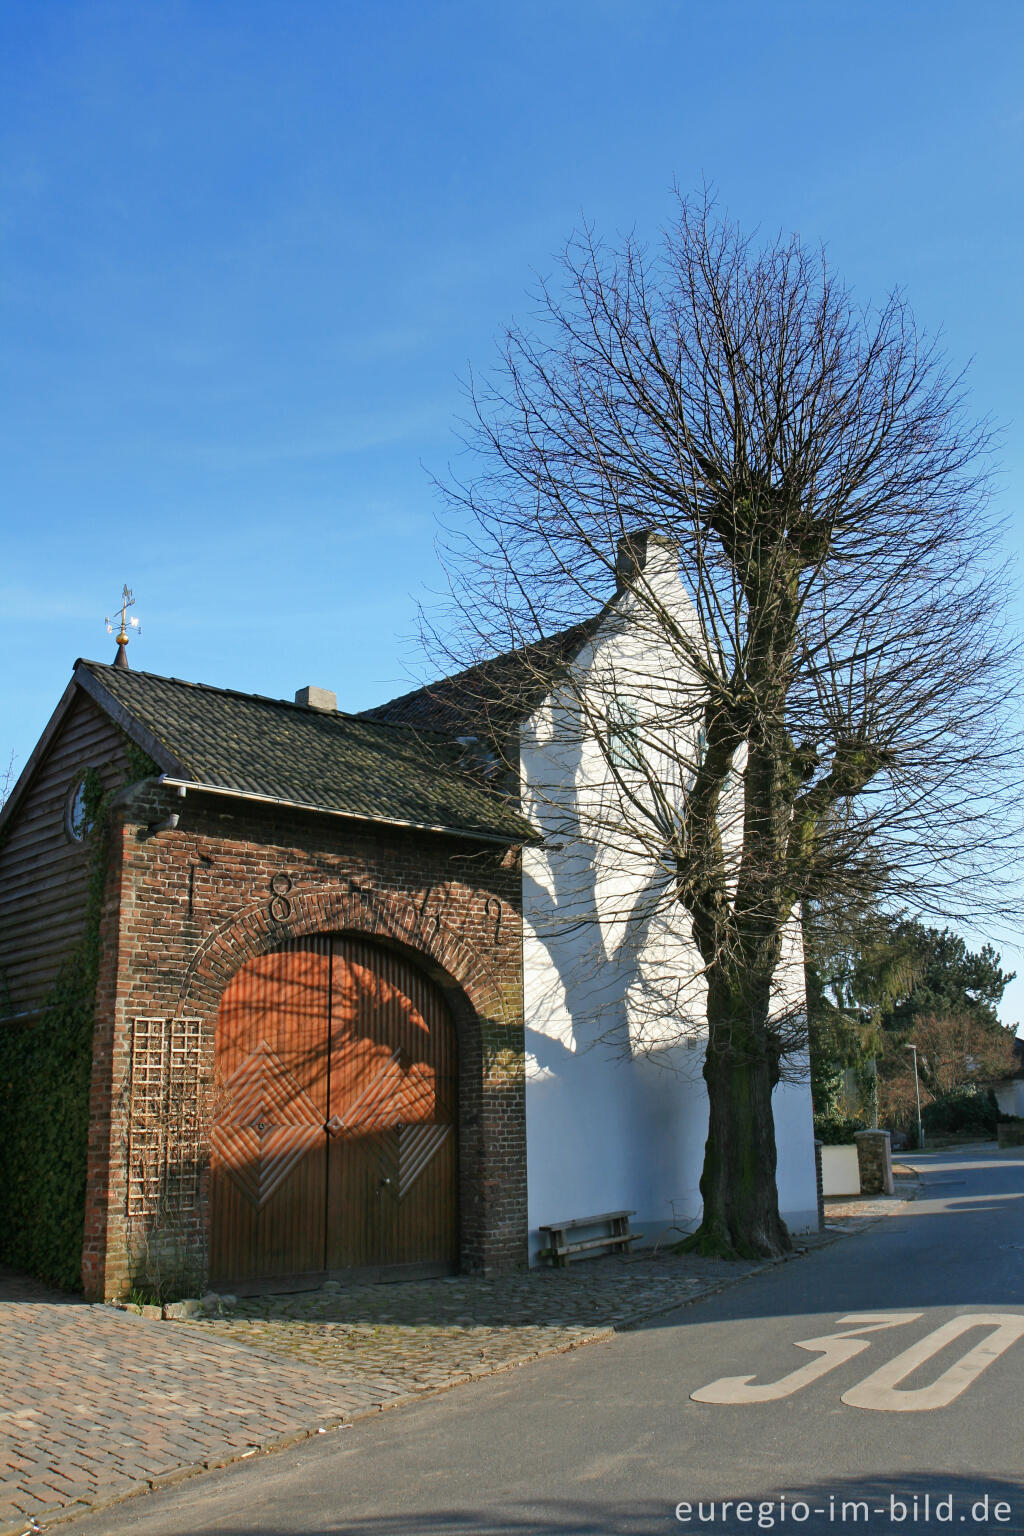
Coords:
614,1238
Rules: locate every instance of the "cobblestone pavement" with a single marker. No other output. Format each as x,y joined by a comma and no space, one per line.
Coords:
386,1340
97,1404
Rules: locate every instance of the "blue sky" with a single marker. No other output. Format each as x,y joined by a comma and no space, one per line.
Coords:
248,250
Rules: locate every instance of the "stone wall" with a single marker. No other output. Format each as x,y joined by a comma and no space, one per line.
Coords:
875,1158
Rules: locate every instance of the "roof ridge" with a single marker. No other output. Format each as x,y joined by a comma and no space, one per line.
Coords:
581,626
362,717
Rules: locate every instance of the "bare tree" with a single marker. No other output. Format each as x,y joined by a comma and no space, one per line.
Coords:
834,708
7,777
954,1050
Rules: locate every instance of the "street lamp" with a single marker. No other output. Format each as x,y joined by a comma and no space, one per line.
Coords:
917,1090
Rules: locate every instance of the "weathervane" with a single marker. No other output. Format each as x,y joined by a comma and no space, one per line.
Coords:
127,601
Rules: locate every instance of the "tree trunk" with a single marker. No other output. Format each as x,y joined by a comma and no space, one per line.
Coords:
741,1205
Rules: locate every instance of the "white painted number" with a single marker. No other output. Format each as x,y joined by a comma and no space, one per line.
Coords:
836,1349
881,1389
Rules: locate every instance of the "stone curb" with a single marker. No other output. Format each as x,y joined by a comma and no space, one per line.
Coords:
215,1305
66,1514
787,1258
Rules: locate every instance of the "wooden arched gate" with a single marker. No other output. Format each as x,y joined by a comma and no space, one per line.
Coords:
334,1138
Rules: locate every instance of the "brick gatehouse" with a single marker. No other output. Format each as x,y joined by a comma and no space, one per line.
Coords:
308,1050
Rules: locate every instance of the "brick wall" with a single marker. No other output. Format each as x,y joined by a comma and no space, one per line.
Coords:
186,908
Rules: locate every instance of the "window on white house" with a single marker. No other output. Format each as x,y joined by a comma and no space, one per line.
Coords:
624,748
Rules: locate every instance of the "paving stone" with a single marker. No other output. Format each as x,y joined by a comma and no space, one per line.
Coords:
100,1403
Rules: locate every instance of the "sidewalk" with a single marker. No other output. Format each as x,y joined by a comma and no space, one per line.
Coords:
98,1404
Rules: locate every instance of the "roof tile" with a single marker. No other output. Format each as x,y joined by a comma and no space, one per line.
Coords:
320,759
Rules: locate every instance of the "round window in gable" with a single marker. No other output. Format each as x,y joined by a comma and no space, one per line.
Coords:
77,822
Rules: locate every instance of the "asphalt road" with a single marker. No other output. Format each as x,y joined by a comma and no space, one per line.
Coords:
611,1439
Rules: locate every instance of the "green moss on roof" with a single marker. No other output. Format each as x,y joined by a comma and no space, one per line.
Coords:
240,742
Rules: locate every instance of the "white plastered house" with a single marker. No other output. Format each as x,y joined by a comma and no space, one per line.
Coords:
615,1101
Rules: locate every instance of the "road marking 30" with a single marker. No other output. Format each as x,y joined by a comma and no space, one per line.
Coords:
881,1390
836,1349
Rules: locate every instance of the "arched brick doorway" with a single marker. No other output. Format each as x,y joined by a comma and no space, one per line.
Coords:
335,1141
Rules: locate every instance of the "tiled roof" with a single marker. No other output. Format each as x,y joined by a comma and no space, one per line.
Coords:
323,760
492,698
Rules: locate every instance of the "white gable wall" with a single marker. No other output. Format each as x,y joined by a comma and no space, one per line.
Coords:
1010,1096
615,1101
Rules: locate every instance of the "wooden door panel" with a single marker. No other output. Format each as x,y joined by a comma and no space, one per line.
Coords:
268,1143
393,1098
424,1226
334,1141
356,1219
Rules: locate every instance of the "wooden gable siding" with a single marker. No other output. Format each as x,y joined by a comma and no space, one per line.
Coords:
44,873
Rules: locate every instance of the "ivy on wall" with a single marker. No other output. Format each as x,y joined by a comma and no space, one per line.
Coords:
45,1072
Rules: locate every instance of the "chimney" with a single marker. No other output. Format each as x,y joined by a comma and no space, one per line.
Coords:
652,553
317,698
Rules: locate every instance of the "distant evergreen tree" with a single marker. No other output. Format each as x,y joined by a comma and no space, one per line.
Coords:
876,984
